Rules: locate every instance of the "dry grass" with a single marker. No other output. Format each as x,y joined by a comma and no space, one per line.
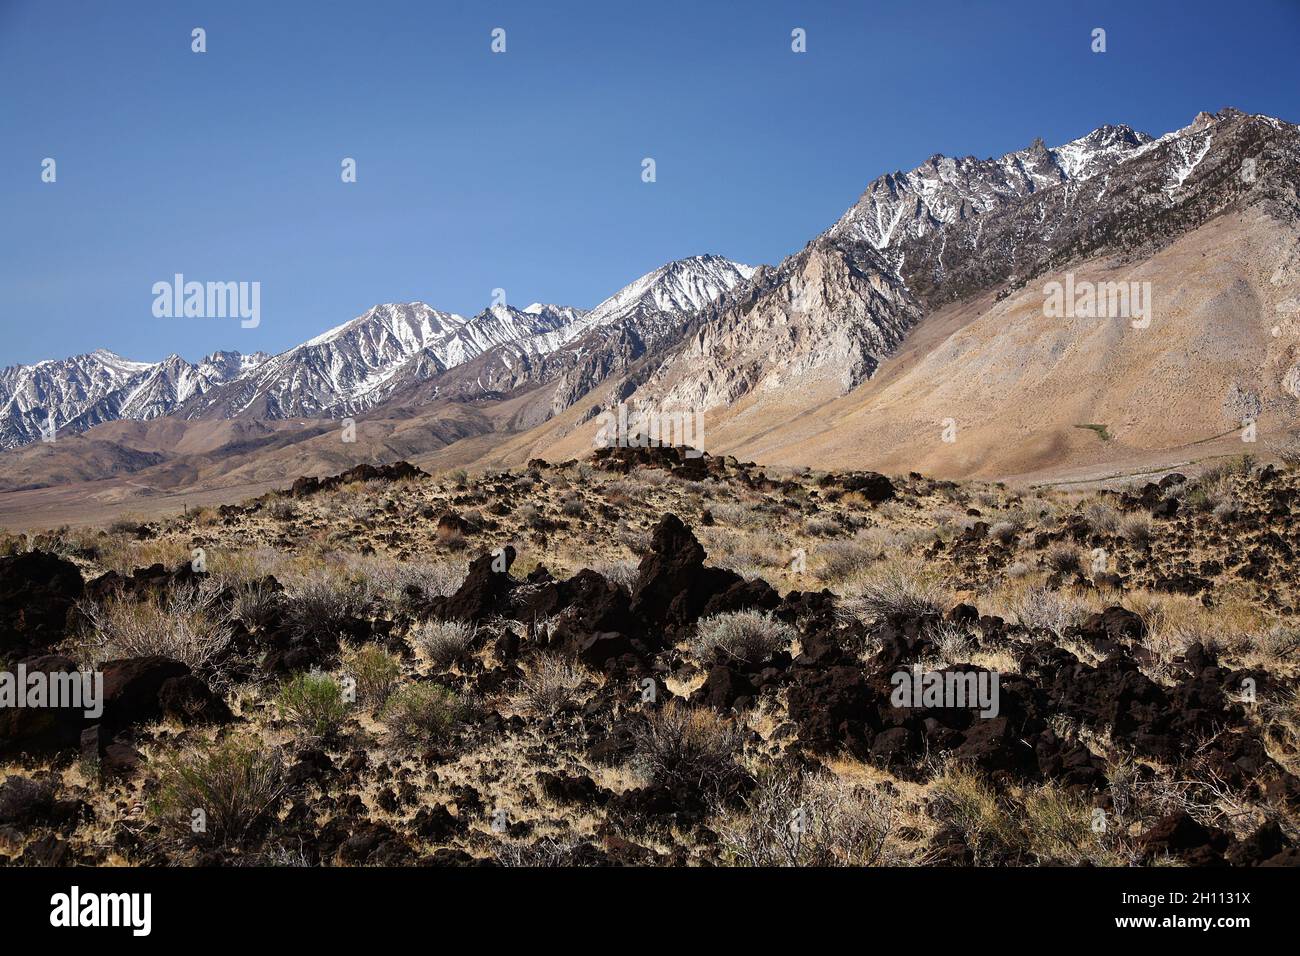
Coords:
323,603
1040,608
620,572
124,555
1235,627
444,642
1102,517
695,748
840,561
1063,559
399,581
1136,530
189,625
813,819
550,684
749,636
898,587
953,643
963,801
220,792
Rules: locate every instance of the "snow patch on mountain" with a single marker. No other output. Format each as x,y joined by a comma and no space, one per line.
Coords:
86,390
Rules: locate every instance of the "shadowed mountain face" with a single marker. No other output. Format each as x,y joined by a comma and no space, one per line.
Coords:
923,304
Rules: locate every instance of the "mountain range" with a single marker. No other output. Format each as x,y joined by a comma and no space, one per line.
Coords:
921,305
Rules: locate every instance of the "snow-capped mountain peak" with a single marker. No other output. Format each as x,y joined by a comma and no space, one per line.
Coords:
85,390
674,290
945,190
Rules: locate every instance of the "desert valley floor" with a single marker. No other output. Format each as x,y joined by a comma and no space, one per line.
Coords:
640,657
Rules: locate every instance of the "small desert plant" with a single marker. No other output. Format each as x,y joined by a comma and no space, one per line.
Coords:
550,684
1136,530
126,524
425,713
189,625
1234,465
314,703
748,636
445,642
1279,643
1041,609
1063,559
283,510
1004,532
620,572
256,604
1102,517
1287,451
695,748
898,588
545,852
438,579
962,800
1038,508
1058,830
573,506
814,819
841,560
737,514
822,527
376,673
324,604
953,643
1225,510
229,787
652,477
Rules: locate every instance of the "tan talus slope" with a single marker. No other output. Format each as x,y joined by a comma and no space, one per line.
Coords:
1012,389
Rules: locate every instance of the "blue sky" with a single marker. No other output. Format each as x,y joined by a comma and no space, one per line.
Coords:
523,170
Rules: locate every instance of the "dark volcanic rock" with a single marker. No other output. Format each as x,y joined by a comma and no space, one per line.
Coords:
486,588
872,486
563,788
835,709
189,700
1179,835
40,730
132,687
37,591
674,587
399,470
135,691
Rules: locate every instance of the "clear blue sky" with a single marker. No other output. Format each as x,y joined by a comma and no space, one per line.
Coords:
522,170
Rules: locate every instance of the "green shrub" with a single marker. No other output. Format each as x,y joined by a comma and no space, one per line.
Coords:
313,702
220,792
376,673
425,713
